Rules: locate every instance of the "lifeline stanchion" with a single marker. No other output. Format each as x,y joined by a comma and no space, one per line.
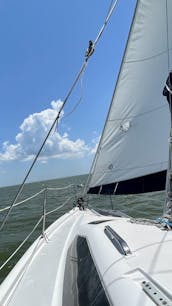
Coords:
44,212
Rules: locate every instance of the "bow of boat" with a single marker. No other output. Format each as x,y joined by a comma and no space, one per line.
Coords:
116,260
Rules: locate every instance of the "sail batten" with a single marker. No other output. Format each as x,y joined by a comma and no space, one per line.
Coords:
134,143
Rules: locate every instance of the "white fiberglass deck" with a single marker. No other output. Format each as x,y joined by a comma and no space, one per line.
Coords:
38,278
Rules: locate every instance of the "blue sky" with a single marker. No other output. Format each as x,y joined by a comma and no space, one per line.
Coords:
42,48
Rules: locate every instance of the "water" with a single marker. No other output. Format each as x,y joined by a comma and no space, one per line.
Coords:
23,218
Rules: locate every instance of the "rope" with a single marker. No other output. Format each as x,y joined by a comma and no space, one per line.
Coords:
19,247
78,102
36,225
59,188
50,212
19,203
165,222
168,88
35,195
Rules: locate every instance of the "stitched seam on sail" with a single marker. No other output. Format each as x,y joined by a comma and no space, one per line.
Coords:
147,58
141,114
136,167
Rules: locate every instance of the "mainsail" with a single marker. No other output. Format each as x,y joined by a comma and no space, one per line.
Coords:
132,156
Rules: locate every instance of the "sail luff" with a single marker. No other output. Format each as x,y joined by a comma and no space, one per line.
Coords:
98,148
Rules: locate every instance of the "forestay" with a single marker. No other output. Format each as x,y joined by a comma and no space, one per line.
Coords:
133,152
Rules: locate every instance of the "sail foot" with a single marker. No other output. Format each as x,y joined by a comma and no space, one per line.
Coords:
147,183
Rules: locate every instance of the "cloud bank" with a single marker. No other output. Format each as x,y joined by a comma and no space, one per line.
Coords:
32,133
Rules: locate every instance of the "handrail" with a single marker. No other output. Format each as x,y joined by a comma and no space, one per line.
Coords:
117,241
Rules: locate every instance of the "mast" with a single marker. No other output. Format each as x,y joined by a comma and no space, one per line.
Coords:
168,199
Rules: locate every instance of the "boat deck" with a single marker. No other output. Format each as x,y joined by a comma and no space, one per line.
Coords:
138,278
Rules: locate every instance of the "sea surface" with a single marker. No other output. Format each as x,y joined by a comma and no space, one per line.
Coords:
23,217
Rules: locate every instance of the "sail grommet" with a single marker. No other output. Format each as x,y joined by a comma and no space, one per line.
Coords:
124,127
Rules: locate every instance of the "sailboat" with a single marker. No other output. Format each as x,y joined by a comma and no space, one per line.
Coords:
90,257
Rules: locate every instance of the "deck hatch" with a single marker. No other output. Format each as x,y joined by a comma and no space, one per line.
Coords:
82,283
117,241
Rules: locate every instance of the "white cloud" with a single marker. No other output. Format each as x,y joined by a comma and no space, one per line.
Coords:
32,133
95,142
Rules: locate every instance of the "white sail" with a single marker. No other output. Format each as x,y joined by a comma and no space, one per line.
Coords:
135,138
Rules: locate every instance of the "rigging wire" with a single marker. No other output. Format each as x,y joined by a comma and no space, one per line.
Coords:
110,11
81,71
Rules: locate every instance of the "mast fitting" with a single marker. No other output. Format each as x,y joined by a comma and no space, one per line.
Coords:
89,50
